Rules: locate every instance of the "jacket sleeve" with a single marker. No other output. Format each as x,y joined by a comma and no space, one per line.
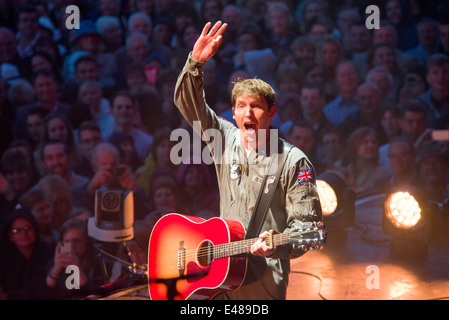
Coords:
302,202
189,99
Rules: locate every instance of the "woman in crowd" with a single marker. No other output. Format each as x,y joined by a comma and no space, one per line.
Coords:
360,164
23,257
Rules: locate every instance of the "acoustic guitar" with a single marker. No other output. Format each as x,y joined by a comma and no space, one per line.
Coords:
193,258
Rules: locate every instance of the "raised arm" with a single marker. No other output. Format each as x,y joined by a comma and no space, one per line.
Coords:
209,41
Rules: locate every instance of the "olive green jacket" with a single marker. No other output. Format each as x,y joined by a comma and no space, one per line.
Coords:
240,179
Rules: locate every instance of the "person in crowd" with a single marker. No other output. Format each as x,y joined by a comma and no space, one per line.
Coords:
125,145
46,90
360,166
332,145
281,27
347,77
56,159
199,195
89,135
382,55
166,198
413,85
432,171
158,158
435,100
413,125
61,198
368,107
110,174
329,55
28,30
313,100
111,31
397,13
302,135
427,31
57,127
358,42
74,248
17,171
401,155
23,257
385,34
123,109
91,93
389,117
35,201
35,125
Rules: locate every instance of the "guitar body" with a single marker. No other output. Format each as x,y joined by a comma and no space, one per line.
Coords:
179,264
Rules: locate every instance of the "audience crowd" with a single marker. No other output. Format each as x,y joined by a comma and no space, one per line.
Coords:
92,107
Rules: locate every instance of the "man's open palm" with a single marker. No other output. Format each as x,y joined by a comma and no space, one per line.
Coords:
209,41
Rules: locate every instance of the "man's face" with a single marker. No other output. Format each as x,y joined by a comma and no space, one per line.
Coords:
55,159
413,124
34,126
444,35
302,138
252,114
360,38
86,70
88,140
386,35
312,101
347,77
28,23
438,77
138,49
401,157
45,88
7,47
123,110
368,100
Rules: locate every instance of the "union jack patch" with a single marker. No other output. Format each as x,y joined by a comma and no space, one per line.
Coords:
305,175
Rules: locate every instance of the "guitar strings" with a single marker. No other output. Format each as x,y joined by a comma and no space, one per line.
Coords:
236,246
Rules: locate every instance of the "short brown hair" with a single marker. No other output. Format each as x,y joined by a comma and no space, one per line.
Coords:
254,88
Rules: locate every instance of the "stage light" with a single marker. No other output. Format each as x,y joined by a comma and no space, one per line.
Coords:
407,218
403,210
328,198
337,205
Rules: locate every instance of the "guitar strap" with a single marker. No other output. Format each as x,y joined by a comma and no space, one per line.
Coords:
264,198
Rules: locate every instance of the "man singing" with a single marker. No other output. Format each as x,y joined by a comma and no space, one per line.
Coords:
244,158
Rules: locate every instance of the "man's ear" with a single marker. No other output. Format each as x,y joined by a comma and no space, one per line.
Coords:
233,114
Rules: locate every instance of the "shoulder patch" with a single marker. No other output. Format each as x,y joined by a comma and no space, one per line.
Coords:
305,175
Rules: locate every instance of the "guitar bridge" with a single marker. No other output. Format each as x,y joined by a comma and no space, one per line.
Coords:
181,258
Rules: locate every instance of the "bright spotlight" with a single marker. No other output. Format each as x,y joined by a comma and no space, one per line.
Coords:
337,205
403,210
328,198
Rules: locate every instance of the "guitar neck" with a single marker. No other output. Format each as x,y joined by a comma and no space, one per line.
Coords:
244,246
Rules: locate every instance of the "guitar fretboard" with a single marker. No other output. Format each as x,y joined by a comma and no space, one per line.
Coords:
244,246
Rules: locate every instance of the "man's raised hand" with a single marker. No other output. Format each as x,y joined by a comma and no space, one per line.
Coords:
209,41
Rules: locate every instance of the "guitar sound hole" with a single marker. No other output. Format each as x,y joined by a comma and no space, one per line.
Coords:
205,254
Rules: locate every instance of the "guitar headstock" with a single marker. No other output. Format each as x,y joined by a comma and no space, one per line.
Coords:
311,235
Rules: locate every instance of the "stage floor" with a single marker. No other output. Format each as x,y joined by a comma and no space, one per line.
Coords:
362,268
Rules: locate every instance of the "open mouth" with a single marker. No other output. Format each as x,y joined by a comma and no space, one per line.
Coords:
250,126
